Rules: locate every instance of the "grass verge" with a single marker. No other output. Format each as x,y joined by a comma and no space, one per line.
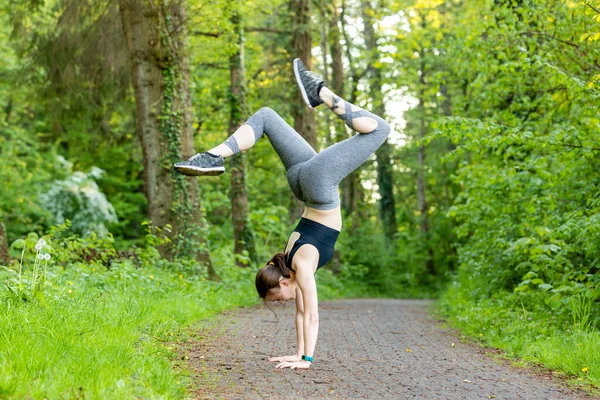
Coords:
106,333
570,347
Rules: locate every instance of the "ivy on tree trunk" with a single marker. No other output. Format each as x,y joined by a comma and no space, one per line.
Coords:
155,33
304,119
242,233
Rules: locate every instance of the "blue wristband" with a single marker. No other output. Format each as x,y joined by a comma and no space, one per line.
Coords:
307,358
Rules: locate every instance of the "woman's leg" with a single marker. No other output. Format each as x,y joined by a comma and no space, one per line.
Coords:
242,139
356,118
321,175
291,148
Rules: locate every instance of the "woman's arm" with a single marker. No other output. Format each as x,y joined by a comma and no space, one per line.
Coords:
299,323
305,263
299,332
306,282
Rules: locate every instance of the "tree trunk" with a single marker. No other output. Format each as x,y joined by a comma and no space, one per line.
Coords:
304,119
323,44
351,187
242,234
448,168
387,205
349,200
193,228
140,24
155,36
421,185
446,108
335,39
4,256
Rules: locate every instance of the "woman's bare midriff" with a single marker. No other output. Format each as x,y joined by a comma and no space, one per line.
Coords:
330,218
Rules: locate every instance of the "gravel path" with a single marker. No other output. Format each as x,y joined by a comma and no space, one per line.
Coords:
391,349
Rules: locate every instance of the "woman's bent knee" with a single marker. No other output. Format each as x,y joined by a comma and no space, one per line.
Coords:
384,127
266,111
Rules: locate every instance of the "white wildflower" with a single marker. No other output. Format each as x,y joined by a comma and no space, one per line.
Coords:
47,256
39,246
40,256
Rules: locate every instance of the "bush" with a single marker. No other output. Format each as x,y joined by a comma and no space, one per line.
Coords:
78,199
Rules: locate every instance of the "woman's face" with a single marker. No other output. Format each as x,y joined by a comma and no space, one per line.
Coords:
286,291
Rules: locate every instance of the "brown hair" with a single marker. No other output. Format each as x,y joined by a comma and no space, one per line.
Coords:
267,277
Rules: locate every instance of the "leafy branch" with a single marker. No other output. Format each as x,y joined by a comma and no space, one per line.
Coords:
537,33
264,29
592,7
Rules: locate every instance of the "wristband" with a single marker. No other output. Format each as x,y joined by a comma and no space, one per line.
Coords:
307,358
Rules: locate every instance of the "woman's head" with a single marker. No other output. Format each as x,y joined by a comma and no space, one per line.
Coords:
274,281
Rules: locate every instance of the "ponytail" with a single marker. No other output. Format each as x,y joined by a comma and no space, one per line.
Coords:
267,277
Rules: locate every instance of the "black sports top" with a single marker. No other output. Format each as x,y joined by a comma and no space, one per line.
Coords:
319,235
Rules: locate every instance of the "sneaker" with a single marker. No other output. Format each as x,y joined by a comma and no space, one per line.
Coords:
310,84
201,164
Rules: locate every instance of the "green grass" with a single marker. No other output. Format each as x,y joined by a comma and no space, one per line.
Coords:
534,335
111,336
576,353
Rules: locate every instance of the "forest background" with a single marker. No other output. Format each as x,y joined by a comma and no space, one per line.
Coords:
487,195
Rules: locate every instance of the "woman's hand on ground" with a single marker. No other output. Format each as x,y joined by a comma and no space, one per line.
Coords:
286,359
294,365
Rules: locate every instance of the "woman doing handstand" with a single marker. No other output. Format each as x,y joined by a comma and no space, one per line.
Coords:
314,179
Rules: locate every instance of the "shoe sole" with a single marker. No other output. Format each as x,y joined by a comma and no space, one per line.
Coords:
300,85
197,171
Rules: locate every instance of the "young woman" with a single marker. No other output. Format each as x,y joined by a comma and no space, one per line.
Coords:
314,179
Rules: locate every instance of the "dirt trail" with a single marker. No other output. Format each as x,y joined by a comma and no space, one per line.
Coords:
391,349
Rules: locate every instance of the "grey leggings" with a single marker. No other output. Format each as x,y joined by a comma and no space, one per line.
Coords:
314,177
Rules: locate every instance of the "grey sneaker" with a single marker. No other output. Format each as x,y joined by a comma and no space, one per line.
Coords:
201,164
310,84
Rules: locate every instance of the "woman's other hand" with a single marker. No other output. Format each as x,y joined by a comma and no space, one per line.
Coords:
286,359
294,365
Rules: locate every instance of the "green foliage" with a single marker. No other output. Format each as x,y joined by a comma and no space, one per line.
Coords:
528,211
507,94
114,318
379,268
527,214
24,172
65,91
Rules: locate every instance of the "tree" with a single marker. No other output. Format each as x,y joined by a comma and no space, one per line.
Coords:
422,206
242,233
387,203
155,32
352,189
304,119
301,43
324,46
350,196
